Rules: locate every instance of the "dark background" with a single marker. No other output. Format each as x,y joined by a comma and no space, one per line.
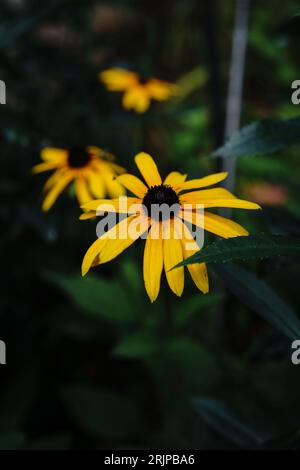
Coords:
91,363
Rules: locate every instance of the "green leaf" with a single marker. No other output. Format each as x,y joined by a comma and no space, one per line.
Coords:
102,413
259,297
192,363
192,305
243,248
262,137
137,345
97,296
225,421
131,277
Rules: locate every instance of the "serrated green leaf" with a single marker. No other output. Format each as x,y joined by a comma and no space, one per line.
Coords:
244,248
262,137
260,298
97,296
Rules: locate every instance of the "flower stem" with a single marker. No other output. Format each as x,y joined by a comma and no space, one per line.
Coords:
235,86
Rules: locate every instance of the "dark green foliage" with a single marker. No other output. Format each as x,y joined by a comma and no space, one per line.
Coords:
256,295
261,138
244,248
91,363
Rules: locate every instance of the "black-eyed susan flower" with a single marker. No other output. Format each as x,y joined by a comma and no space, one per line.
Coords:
168,235
92,170
138,92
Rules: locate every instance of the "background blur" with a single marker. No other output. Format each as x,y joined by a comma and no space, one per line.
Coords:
90,362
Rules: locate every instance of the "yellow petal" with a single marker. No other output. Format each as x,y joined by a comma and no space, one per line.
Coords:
223,227
54,178
45,166
230,202
122,205
234,203
153,261
173,255
111,243
117,79
148,169
55,191
202,182
113,186
127,232
136,98
142,102
81,190
161,90
129,99
205,195
117,169
215,224
54,154
96,184
216,197
175,179
198,271
88,215
92,253
133,184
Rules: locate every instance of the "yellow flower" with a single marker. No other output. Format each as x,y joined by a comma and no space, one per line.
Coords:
92,170
137,91
162,249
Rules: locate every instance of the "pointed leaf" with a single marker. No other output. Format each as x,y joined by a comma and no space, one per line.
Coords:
137,345
262,137
259,297
243,248
97,296
226,422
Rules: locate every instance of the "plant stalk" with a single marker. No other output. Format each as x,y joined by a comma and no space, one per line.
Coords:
235,86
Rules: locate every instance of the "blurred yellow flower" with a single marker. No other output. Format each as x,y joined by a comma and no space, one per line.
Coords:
169,240
91,169
138,92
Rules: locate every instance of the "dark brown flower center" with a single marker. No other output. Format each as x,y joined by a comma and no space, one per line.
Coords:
143,80
159,200
78,157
